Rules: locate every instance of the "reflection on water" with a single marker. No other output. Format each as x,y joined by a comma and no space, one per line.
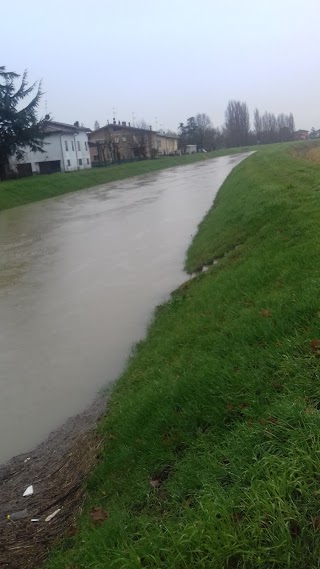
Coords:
79,278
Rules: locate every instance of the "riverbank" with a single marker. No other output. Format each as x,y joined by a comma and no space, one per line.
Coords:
211,448
27,190
57,470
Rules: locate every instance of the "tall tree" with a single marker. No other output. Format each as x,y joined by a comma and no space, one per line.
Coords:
205,133
257,124
19,127
237,123
96,125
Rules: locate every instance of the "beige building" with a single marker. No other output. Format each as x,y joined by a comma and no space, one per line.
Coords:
121,141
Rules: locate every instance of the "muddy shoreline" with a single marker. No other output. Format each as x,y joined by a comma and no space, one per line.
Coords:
56,469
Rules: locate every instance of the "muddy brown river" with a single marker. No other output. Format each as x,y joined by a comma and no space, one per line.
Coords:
79,278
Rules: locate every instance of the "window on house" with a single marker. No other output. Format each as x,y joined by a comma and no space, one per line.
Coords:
96,158
124,139
78,143
72,145
68,162
85,145
66,145
80,161
87,160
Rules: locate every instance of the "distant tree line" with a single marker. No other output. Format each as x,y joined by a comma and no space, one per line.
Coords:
267,128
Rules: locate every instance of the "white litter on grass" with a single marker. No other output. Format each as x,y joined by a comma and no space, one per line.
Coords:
29,458
49,518
35,520
28,491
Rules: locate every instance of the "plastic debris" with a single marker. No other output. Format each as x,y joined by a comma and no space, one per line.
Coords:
49,518
35,520
26,460
28,491
20,515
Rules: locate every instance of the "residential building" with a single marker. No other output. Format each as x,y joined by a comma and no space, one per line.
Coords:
121,141
301,134
314,133
66,148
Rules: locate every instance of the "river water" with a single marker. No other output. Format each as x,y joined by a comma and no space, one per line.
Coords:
79,278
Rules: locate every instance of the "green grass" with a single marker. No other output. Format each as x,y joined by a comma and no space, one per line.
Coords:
220,405
35,188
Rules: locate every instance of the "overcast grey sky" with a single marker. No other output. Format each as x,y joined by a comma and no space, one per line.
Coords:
168,59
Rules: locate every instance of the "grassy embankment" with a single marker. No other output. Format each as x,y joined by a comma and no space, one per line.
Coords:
212,445
35,188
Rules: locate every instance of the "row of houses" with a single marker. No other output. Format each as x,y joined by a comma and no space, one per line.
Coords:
74,147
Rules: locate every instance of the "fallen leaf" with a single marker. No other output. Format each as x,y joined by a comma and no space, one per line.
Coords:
294,528
154,483
272,420
229,407
310,410
316,522
265,313
315,345
188,503
71,531
236,517
265,520
98,515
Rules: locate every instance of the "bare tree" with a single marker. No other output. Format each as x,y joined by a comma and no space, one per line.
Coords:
237,123
204,132
142,124
141,143
257,124
291,124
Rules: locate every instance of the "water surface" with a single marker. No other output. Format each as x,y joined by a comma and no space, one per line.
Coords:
79,278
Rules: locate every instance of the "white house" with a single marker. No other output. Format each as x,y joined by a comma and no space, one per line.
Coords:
65,148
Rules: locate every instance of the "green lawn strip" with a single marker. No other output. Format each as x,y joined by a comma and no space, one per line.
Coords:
219,406
35,188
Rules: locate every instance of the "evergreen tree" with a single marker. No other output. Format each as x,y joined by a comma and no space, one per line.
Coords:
19,127
96,125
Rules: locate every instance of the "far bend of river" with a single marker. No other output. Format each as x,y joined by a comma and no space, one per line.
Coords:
79,278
